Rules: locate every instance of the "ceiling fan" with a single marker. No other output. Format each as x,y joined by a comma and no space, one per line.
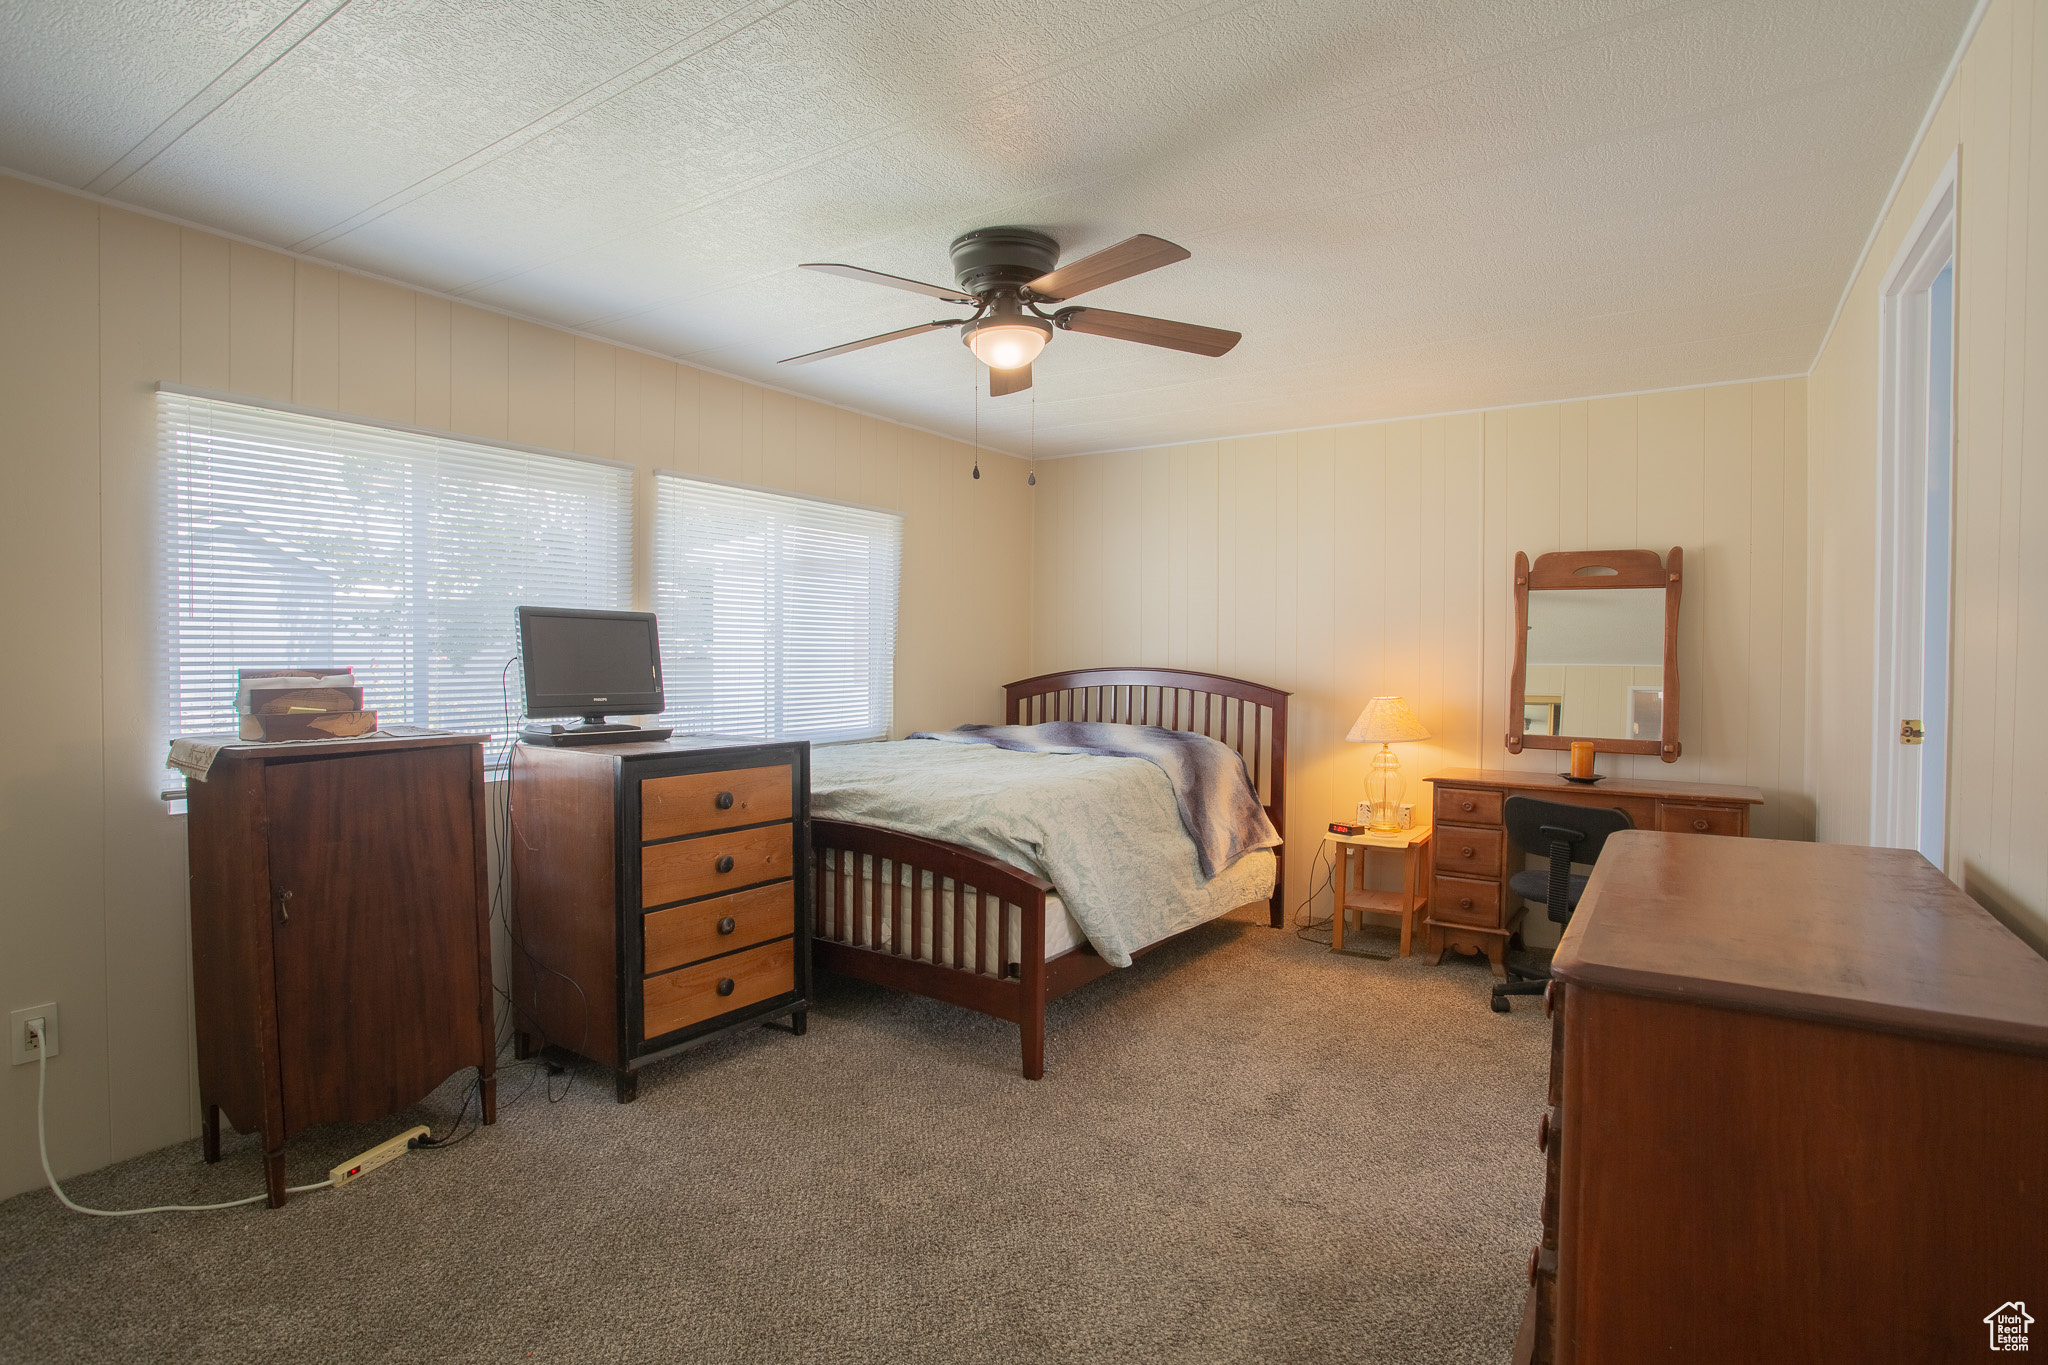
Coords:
1004,273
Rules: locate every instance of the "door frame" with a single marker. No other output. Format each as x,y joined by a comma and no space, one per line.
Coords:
1900,570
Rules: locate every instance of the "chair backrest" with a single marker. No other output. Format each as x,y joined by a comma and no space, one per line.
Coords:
1565,835
1586,828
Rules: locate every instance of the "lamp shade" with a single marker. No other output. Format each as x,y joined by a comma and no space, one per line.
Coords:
1387,720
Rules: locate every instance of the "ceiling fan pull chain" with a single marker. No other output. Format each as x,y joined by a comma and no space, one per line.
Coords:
1032,479
974,388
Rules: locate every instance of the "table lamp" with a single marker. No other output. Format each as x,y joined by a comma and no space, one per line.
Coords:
1385,721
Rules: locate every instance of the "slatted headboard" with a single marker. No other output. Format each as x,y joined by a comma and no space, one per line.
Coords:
1249,717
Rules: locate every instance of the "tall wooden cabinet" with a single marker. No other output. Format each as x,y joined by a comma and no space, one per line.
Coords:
658,896
340,933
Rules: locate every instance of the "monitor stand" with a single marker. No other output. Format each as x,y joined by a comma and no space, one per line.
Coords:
590,730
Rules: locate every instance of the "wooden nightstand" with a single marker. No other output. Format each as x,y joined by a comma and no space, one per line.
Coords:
1350,894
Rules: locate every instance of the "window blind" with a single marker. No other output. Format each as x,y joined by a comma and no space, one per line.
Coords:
298,540
778,613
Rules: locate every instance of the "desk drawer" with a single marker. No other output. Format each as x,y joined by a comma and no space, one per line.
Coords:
713,863
1675,819
690,995
1468,852
1467,806
693,803
687,933
1465,900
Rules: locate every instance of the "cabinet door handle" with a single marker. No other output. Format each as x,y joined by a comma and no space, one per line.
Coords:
725,800
284,905
727,925
725,863
1465,903
1700,825
725,985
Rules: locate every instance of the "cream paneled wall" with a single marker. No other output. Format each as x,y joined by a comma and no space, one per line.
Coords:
1994,118
1349,562
96,305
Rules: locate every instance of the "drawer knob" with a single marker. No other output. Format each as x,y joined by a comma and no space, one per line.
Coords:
727,925
1535,1259
1466,806
725,985
725,863
1465,903
1549,998
1543,1132
725,800
1700,825
1466,851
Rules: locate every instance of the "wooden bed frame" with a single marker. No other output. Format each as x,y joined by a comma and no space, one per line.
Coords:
866,914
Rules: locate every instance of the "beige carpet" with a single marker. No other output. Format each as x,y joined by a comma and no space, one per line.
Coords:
1245,1149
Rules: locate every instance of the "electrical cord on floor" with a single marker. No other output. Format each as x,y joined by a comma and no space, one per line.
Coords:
43,1146
1319,930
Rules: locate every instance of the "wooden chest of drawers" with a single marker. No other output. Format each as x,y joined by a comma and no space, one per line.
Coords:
1798,1111
656,896
1471,909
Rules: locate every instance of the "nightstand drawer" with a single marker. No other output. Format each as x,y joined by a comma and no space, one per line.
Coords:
716,862
1468,852
692,803
1465,900
687,933
1466,806
690,995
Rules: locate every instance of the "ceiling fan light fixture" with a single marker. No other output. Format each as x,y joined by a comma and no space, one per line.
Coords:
1007,343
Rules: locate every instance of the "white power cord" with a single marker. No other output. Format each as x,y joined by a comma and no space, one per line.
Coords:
43,1145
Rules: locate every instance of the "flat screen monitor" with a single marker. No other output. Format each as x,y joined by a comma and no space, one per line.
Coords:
591,664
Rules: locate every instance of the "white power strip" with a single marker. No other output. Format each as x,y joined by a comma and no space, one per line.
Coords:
358,1167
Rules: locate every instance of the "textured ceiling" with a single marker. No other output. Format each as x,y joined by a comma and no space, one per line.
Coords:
1405,207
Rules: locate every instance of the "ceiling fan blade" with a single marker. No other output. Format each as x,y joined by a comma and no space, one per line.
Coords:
1132,256
831,351
1176,336
1001,382
854,272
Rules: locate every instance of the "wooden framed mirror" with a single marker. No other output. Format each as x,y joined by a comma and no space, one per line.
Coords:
1596,652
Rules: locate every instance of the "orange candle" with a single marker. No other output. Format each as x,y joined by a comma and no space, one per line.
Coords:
1582,758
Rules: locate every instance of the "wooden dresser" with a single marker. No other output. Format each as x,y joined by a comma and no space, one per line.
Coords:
1798,1111
1470,906
341,948
656,898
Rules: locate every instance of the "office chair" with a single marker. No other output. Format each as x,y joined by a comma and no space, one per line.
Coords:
1569,834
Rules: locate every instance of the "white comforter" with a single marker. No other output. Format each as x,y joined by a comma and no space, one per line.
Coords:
1104,831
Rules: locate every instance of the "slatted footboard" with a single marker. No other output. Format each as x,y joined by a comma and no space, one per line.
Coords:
934,919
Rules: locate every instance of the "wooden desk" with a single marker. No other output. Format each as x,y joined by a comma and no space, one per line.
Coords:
1470,906
1799,1111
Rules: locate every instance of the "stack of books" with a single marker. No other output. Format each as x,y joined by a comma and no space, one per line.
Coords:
301,703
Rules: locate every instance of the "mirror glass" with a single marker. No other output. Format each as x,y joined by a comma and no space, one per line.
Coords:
1595,663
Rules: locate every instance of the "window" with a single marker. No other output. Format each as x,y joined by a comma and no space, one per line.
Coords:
778,613
296,540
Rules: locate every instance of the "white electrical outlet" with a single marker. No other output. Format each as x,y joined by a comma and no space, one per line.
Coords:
17,1029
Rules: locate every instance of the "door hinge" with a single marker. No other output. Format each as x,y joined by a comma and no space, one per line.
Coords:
1910,732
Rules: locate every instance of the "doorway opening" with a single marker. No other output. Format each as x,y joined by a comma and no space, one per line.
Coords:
1915,519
